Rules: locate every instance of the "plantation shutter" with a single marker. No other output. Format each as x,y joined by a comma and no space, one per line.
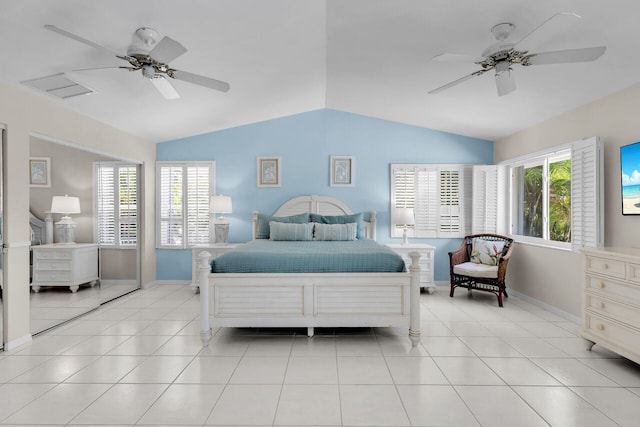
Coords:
435,192
426,209
485,199
587,194
197,204
184,191
105,204
450,215
116,204
127,203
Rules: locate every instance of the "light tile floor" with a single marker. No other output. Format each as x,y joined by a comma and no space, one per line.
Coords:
139,361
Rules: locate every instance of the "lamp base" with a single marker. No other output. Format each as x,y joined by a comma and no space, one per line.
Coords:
66,230
221,232
405,240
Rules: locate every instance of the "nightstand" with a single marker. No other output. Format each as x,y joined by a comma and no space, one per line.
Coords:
426,261
65,264
215,249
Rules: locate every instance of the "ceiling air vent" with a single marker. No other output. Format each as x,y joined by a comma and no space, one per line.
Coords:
58,85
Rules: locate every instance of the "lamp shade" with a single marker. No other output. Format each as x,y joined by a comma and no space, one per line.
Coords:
404,216
220,204
65,205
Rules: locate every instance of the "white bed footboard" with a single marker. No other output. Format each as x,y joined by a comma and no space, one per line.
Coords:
309,300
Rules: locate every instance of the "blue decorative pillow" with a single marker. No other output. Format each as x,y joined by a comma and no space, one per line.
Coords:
290,231
341,219
335,231
262,226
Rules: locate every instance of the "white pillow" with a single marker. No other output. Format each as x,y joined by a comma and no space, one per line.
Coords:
486,252
346,231
290,231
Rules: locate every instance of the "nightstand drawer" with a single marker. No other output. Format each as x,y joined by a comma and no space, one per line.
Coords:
51,276
52,265
47,254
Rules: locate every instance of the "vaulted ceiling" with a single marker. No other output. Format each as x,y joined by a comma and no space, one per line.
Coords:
282,57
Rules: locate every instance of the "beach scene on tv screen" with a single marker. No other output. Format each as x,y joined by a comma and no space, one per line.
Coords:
630,163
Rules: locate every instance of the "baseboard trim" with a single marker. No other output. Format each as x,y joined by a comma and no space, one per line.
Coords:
538,303
13,344
531,300
166,282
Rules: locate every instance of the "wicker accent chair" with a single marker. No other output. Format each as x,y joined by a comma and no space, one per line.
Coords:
473,275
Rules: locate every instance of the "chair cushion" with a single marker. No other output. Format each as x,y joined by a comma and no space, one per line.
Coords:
473,269
486,252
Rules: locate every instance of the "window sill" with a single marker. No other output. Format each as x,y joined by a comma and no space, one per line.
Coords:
522,240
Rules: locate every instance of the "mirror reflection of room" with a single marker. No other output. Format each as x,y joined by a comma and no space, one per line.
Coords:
81,205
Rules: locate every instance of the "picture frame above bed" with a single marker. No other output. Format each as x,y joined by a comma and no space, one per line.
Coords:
40,172
342,171
269,171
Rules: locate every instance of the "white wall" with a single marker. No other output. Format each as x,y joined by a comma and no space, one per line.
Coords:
551,275
23,114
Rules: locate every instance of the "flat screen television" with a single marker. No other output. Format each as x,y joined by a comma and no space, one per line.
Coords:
630,173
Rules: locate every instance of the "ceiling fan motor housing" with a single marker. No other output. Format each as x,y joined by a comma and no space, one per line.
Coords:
143,40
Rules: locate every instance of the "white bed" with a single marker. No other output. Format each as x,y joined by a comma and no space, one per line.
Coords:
310,300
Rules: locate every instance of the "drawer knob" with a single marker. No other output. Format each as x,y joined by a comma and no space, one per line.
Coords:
601,285
602,305
605,266
600,327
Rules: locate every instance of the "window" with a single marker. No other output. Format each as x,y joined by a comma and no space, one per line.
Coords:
183,193
437,195
555,196
116,204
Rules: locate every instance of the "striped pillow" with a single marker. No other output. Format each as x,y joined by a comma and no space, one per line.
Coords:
290,231
335,231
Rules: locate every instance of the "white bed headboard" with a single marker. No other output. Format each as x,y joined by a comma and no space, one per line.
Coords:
321,205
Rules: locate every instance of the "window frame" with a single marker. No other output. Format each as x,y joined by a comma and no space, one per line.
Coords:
589,149
184,222
117,219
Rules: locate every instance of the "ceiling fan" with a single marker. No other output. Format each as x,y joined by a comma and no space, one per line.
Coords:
502,55
152,57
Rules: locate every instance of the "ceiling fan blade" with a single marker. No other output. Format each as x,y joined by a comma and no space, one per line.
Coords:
165,88
80,39
167,50
454,57
505,83
555,24
570,55
200,80
455,82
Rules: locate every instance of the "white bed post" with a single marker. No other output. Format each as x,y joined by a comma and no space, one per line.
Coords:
414,297
203,271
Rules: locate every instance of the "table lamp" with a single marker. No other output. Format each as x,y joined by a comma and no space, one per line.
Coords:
65,205
221,205
404,217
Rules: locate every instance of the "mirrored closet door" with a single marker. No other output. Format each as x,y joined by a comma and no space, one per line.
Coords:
1,238
85,222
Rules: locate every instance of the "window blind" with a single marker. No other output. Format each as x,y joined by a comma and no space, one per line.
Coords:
116,203
183,194
587,193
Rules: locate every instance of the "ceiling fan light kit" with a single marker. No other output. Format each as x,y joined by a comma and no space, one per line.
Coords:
502,55
151,57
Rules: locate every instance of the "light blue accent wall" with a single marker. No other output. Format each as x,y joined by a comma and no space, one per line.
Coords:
305,142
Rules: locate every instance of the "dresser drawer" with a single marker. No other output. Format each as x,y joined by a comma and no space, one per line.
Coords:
633,272
605,266
51,276
623,312
613,288
609,330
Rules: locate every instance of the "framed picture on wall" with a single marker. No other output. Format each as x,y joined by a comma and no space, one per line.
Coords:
342,169
269,171
39,172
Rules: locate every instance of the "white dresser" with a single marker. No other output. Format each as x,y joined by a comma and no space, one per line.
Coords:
426,261
215,249
61,264
611,301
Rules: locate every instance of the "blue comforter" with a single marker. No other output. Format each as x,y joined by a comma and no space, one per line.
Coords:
266,256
